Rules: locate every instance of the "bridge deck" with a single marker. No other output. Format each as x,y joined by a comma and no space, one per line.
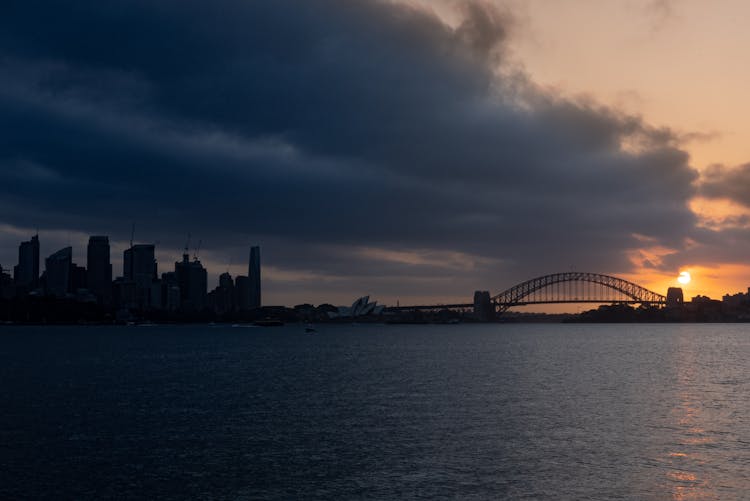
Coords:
521,303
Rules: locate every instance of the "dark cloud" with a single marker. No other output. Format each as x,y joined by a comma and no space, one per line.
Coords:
312,126
732,184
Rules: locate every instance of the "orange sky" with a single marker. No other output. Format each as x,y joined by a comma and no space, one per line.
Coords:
679,65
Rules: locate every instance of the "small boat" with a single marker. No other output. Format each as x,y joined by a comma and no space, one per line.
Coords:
310,328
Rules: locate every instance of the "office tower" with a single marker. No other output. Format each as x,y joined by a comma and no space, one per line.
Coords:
193,282
99,269
7,286
58,269
124,294
78,279
242,293
222,298
253,275
170,292
139,266
26,274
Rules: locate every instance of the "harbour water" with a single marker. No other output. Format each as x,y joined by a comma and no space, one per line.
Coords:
376,411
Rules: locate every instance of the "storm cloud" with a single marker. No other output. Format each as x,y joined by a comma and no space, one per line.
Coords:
720,182
368,146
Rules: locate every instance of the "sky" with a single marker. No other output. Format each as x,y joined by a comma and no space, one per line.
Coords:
411,150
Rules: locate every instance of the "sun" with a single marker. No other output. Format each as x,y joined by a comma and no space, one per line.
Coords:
684,278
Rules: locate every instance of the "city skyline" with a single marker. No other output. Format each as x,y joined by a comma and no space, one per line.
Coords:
415,151
141,287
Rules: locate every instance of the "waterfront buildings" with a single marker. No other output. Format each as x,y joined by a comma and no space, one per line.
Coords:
192,279
253,274
139,267
99,269
170,291
7,288
57,272
26,273
139,289
242,293
223,298
362,307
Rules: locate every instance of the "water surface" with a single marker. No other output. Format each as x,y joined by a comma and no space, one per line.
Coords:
376,412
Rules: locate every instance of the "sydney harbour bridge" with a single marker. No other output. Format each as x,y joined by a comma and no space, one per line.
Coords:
569,287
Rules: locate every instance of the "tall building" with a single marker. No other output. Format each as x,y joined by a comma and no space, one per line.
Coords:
139,266
242,293
26,274
222,298
253,275
7,286
170,291
58,271
193,282
78,279
99,269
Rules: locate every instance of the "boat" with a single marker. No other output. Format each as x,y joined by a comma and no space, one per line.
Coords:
310,328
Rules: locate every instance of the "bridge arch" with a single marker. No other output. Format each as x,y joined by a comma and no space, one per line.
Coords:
526,292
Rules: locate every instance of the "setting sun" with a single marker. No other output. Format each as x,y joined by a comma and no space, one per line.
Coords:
684,278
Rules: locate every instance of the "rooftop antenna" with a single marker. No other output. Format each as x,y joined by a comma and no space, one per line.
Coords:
197,250
132,234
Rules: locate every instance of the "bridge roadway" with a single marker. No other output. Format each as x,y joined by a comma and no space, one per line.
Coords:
526,303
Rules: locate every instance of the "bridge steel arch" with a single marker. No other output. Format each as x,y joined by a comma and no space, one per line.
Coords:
515,295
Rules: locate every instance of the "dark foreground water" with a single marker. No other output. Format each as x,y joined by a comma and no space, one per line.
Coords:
483,411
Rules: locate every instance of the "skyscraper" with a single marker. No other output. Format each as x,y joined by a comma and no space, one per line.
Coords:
254,277
99,272
222,299
26,274
58,269
241,293
139,266
193,281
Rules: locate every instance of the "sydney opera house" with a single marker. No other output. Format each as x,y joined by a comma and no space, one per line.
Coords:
360,308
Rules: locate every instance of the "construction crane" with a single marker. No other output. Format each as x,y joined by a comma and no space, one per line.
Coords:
197,250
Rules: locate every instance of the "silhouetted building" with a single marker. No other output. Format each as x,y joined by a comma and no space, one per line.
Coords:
675,296
77,278
221,299
26,273
242,293
124,294
58,271
99,269
139,266
7,286
362,307
193,281
737,300
254,275
170,291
